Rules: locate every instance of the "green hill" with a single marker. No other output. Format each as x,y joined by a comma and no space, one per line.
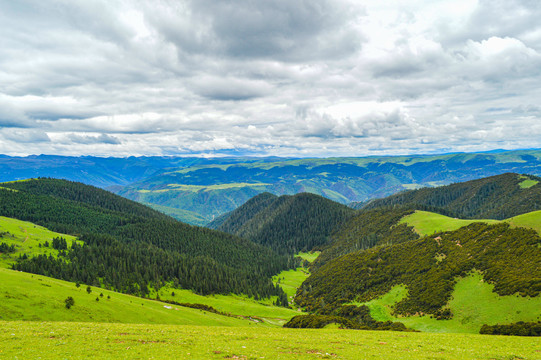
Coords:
287,224
132,248
508,258
365,230
427,223
497,197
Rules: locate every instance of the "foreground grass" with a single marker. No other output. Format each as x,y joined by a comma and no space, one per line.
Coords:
473,304
31,340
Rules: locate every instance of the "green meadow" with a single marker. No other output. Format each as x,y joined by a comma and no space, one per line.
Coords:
291,280
428,223
28,238
473,304
60,340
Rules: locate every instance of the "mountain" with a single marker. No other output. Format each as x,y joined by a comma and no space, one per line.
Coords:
132,248
430,271
495,197
508,257
213,189
287,224
198,190
365,230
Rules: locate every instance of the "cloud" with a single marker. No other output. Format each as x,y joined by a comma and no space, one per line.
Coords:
93,139
296,78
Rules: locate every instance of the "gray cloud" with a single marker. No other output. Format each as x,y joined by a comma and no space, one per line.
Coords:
91,139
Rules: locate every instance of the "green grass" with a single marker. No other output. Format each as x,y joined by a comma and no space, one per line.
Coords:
531,220
527,183
291,280
473,304
428,223
27,238
233,304
61,340
310,256
39,298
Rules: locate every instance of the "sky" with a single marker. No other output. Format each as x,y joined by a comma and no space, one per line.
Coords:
283,78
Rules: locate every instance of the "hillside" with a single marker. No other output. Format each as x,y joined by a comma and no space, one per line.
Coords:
132,248
429,267
286,224
214,188
497,197
367,229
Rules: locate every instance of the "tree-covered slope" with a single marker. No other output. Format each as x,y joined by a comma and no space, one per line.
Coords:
365,230
129,247
287,224
496,197
508,257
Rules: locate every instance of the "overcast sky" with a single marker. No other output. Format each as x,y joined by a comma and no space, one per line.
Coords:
281,77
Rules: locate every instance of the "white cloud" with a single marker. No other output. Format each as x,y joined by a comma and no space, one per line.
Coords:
324,77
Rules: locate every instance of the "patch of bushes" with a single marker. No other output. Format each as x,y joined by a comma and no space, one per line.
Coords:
520,328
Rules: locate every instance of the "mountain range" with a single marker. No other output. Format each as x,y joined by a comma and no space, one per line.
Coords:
199,190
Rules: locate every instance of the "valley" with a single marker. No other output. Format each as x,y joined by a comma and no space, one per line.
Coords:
430,260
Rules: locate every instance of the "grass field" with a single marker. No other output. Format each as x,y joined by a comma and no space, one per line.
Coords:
290,280
428,223
34,297
61,340
27,238
473,304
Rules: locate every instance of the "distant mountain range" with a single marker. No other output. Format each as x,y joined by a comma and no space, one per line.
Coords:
198,190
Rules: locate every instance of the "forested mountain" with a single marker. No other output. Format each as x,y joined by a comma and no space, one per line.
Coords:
508,257
366,230
496,197
287,224
210,190
198,190
129,247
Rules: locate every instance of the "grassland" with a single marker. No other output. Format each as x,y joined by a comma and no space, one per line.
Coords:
32,340
39,298
27,238
290,280
473,304
428,223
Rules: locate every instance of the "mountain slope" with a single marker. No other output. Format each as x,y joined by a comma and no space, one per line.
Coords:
287,224
508,257
378,227
130,247
496,197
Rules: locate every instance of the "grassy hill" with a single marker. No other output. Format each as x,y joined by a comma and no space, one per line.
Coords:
496,197
40,298
427,223
29,239
287,224
429,268
473,303
132,248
